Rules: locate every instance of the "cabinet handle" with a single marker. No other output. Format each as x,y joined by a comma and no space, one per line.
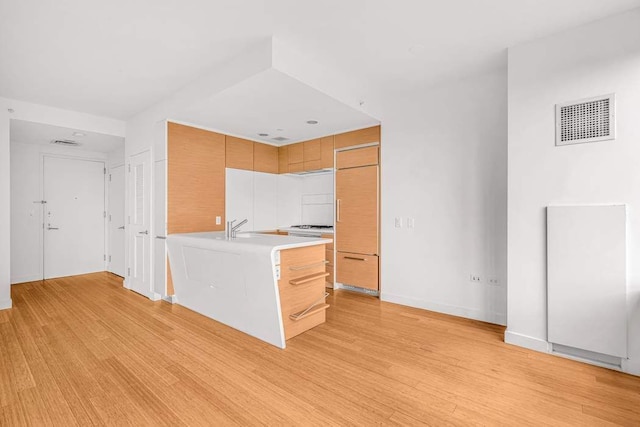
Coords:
338,210
307,279
354,258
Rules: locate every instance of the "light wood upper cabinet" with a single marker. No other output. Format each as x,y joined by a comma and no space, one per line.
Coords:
357,210
357,137
239,153
195,179
326,147
265,158
359,157
283,159
296,153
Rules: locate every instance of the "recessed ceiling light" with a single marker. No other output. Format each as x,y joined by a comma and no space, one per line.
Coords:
312,122
263,134
79,134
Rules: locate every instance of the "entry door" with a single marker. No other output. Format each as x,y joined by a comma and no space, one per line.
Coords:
116,221
139,270
74,217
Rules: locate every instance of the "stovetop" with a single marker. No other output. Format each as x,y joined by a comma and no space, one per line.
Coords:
313,227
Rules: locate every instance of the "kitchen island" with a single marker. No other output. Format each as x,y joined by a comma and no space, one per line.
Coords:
268,286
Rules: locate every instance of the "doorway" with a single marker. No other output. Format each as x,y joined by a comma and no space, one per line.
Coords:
74,216
116,258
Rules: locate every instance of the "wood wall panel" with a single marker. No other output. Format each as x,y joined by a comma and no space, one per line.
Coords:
265,158
357,137
195,179
239,153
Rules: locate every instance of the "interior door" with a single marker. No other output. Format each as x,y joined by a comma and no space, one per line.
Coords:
357,210
139,218
116,221
74,217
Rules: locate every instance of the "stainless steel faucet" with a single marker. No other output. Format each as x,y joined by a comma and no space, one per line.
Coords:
232,230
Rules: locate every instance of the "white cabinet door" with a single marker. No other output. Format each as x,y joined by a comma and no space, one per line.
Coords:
74,222
139,270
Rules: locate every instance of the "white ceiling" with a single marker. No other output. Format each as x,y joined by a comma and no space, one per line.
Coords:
116,58
271,102
42,134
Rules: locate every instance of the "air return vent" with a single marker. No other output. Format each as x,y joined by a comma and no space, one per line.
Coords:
586,120
280,138
65,142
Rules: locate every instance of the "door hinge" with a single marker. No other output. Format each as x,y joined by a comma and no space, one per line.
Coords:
129,219
105,170
104,257
109,177
129,168
128,271
104,214
109,258
109,217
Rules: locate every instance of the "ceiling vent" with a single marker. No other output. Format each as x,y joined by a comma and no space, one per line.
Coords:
586,120
65,142
280,138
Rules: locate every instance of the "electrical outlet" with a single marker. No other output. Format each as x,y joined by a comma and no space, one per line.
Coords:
493,281
474,278
411,222
218,220
398,222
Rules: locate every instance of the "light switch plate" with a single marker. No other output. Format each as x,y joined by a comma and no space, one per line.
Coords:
218,220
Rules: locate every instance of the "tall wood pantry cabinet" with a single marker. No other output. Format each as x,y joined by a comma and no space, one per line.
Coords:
357,217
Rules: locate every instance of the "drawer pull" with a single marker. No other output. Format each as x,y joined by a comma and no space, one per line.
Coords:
355,258
304,267
306,279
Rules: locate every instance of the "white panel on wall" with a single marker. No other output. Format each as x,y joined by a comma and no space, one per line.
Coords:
239,196
265,195
289,210
586,252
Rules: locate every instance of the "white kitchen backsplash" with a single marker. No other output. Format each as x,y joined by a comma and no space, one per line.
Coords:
271,201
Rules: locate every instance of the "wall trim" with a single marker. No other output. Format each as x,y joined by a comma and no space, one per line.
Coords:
25,279
6,304
469,313
526,341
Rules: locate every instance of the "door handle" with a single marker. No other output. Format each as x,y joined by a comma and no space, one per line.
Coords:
121,228
53,228
354,258
143,232
338,210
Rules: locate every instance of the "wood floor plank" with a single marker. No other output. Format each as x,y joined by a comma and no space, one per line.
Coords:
85,351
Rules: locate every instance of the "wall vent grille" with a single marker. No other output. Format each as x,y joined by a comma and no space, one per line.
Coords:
586,120
65,142
280,139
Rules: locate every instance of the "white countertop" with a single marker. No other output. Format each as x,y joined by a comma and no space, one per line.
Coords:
250,239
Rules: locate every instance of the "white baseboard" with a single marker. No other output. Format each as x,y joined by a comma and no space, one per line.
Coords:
469,313
631,366
525,341
172,299
25,279
5,304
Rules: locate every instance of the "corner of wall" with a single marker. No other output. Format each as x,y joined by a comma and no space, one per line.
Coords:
525,341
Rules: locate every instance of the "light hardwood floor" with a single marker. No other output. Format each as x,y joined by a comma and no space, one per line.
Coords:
83,351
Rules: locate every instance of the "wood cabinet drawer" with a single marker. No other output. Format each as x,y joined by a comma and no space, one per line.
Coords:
357,270
359,157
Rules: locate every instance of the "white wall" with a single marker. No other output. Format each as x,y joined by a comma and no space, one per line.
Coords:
40,114
26,217
595,59
444,165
